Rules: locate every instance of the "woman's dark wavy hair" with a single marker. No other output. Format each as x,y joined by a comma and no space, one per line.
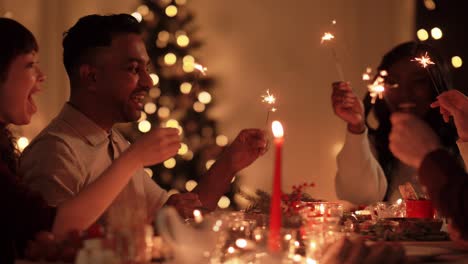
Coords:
446,132
19,40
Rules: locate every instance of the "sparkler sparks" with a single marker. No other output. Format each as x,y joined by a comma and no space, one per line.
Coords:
327,36
270,100
424,60
200,68
377,87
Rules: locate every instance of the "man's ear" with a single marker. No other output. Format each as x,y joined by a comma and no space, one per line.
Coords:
88,76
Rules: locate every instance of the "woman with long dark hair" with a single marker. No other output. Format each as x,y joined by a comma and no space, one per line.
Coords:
25,213
367,170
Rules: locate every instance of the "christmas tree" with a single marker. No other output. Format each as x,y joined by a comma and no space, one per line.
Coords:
181,96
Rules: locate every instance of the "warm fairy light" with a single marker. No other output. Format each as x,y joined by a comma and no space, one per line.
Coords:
241,243
164,36
287,237
170,163
327,36
197,216
204,97
150,108
183,40
143,116
188,67
231,250
224,202
188,155
422,34
22,143
277,129
149,172
172,123
200,68
436,33
376,89
199,107
222,140
137,16
190,185
143,10
457,61
188,59
424,60
185,87
209,163
144,126
171,11
154,92
164,112
183,149
430,4
154,78
334,22
170,58
181,2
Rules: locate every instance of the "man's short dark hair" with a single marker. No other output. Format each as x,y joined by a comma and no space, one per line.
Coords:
91,32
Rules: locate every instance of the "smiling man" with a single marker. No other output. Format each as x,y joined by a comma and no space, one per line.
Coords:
106,61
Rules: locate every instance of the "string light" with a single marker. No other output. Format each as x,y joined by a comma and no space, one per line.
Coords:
144,126
171,11
154,78
188,155
150,108
163,36
436,33
457,61
188,67
181,2
149,172
170,163
154,92
183,40
204,97
22,143
430,4
137,16
190,185
422,34
188,59
143,10
164,112
209,164
183,149
172,123
224,202
199,107
221,140
170,58
185,87
143,116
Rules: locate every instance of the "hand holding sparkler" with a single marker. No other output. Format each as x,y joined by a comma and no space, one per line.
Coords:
454,103
270,101
348,107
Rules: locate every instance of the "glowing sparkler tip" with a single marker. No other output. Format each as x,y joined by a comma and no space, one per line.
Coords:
200,68
327,36
269,98
424,60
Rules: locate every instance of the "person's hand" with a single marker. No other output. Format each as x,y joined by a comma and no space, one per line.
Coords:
185,203
157,146
348,107
454,103
245,149
348,251
411,139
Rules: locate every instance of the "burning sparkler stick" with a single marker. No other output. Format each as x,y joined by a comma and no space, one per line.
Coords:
328,37
425,61
270,101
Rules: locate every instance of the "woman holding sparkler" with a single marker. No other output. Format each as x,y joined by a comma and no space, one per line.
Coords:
367,170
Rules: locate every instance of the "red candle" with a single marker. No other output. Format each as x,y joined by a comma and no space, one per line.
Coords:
274,237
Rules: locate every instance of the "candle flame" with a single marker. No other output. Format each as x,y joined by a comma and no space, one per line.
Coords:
277,129
269,98
424,60
327,36
200,68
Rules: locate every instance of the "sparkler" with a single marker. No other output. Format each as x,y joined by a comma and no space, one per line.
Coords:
377,87
425,61
270,101
328,37
201,71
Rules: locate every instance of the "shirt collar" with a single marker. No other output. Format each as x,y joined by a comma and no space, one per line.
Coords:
86,127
